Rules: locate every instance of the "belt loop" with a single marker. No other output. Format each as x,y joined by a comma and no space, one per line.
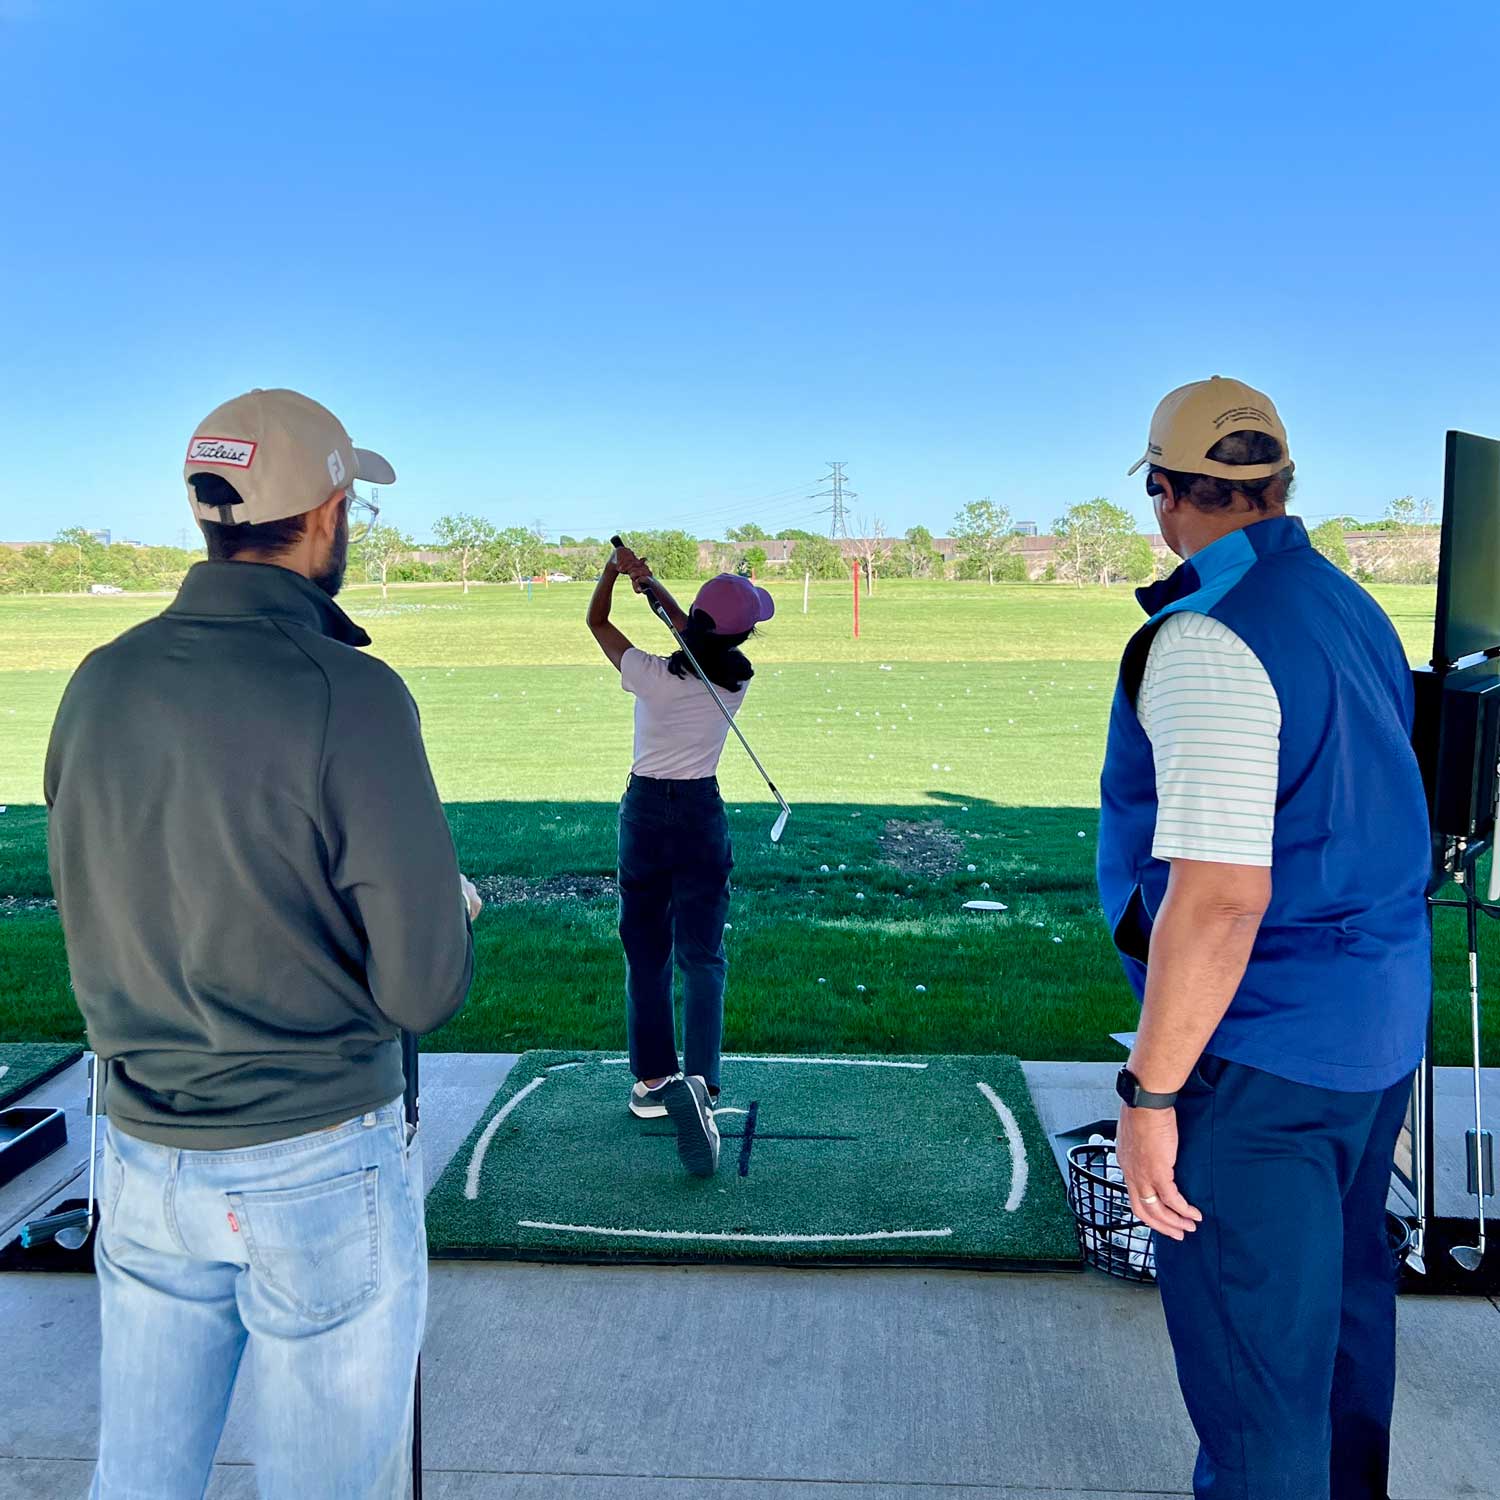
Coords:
368,1121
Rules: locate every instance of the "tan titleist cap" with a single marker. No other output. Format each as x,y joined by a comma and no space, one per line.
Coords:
283,453
1191,419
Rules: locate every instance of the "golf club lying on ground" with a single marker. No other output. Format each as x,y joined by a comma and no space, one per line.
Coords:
72,1229
655,602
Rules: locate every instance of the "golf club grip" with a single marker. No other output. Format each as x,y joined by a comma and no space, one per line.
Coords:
646,589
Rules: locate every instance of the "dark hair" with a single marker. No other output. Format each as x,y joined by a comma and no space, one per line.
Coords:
1208,492
723,663
225,540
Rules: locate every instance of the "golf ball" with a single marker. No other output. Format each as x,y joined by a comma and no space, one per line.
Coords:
822,981
860,988
921,989
843,867
823,869
972,868
859,895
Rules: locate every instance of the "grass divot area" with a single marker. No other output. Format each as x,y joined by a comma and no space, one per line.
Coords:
838,1160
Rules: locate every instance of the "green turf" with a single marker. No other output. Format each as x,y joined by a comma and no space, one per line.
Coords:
529,736
23,1065
846,1163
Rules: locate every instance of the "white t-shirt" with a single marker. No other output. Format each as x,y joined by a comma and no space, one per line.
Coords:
1214,722
679,731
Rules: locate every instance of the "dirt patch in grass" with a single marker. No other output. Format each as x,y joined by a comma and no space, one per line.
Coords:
510,890
928,848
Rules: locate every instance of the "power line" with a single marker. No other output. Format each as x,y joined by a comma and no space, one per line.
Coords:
839,526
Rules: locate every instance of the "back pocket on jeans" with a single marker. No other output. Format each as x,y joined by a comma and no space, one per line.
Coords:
318,1246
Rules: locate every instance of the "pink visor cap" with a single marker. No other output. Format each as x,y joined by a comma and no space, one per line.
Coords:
736,604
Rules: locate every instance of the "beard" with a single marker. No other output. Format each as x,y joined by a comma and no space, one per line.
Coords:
330,577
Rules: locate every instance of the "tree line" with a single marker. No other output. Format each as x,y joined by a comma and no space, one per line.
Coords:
1096,542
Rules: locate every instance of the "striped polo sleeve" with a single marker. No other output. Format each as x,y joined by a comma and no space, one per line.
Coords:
1214,723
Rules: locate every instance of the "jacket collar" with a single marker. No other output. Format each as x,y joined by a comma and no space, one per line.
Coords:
1218,562
234,590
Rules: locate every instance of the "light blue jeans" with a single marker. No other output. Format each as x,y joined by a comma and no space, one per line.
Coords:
309,1256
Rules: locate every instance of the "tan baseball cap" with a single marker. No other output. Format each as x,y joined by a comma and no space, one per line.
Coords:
1191,419
284,454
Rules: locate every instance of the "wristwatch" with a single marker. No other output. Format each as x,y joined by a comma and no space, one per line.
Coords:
1128,1087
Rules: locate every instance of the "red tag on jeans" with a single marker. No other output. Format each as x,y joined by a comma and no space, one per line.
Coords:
234,1223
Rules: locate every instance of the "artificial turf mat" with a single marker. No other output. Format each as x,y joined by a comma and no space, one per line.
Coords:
895,1160
23,1065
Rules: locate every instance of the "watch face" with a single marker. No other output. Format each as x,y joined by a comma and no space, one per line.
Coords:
1126,1085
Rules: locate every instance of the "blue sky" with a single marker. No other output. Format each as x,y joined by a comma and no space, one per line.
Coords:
637,264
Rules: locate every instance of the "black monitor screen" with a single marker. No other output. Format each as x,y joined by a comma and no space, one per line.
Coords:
1468,598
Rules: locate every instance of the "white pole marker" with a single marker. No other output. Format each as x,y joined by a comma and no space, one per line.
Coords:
471,1183
1018,1166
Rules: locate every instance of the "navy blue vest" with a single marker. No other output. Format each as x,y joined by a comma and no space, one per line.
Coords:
1339,982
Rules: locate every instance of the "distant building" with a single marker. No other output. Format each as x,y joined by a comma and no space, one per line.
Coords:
1025,528
102,536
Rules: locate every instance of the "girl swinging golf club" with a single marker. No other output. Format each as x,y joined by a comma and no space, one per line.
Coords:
675,855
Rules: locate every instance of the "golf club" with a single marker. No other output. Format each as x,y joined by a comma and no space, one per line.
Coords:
1470,1256
412,1108
779,825
72,1229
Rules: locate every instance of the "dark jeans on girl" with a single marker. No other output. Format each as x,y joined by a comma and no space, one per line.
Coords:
675,861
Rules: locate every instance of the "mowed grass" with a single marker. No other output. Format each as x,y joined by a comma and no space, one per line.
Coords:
977,713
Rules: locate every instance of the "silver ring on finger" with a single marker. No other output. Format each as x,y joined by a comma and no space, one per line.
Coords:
1152,1198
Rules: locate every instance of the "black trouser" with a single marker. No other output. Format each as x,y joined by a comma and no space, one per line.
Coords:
675,861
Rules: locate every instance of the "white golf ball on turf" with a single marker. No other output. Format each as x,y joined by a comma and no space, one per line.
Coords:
972,868
921,989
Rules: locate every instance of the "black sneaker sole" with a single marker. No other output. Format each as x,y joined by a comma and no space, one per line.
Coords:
694,1143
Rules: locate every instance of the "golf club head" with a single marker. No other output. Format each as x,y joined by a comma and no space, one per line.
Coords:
779,826
1468,1256
70,1230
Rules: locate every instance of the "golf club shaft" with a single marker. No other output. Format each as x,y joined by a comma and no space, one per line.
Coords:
661,613
412,1107
1477,1165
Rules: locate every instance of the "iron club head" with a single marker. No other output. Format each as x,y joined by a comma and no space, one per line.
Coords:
779,826
1468,1256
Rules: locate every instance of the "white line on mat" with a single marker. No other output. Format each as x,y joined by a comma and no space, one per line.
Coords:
4,1070
758,1239
1018,1167
471,1184
822,1062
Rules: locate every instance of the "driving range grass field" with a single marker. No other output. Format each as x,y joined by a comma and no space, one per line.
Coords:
964,728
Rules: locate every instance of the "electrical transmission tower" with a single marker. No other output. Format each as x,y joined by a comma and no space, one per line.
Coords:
840,495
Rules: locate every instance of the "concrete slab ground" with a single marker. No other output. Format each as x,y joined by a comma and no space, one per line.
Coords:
787,1385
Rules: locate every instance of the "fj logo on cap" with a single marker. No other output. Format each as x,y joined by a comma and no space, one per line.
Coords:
336,470
233,453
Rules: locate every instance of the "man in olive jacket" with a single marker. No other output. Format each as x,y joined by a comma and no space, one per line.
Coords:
259,892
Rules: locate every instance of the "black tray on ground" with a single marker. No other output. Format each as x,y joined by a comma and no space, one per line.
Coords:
27,1134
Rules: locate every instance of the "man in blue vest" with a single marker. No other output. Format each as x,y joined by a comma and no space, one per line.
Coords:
1263,858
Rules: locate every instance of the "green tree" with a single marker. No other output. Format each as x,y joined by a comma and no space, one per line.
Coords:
917,555
384,549
754,559
1140,560
796,534
464,538
1329,540
749,532
672,554
1093,542
984,535
818,556
514,554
